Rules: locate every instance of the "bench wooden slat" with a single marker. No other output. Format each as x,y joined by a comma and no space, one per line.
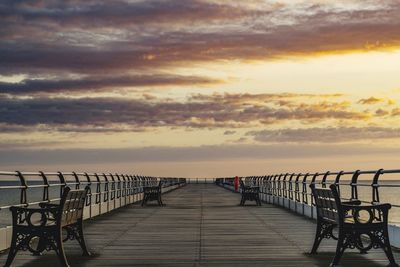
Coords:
331,213
152,193
68,216
251,193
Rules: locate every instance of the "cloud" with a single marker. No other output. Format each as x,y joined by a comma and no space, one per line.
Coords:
207,32
325,135
381,112
125,113
229,132
100,14
370,101
395,112
88,84
233,99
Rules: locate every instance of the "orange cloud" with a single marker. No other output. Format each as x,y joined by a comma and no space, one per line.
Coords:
395,112
370,101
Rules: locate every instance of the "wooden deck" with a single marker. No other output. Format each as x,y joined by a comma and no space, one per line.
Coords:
202,225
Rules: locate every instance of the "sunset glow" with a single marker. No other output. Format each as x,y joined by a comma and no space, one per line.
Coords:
171,87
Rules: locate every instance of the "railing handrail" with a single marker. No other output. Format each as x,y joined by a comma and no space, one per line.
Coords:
105,183
295,186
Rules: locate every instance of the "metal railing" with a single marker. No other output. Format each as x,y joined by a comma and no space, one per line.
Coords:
200,180
108,191
292,190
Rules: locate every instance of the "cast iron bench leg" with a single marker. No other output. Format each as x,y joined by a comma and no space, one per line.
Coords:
388,249
13,250
77,232
144,200
60,250
340,248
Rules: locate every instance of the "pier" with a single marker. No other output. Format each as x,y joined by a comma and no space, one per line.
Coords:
201,225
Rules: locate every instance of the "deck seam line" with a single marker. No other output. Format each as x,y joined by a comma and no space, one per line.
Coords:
201,227
127,229
270,226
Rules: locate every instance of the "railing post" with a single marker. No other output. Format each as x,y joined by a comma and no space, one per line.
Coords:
337,181
23,199
119,190
129,188
291,186
112,195
285,186
354,191
112,198
98,189
124,188
77,181
274,193
375,186
269,186
279,185
323,181
313,182
62,182
297,189
45,188
106,190
89,199
304,189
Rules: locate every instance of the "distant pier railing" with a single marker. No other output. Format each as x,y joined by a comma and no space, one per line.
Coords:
292,191
107,192
200,180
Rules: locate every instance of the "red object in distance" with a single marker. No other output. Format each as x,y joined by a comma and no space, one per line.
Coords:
236,183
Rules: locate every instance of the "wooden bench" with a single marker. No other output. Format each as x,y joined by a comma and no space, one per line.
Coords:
151,193
40,229
359,226
251,193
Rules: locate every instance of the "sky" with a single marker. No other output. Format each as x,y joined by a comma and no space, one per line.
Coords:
200,88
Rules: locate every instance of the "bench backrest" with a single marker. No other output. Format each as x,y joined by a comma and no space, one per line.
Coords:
153,189
72,204
327,203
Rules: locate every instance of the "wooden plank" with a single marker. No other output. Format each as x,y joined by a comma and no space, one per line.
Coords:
201,225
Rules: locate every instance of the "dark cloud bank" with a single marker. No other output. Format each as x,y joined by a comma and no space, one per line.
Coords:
210,112
102,83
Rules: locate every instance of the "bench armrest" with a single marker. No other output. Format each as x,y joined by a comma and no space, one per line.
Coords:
27,209
352,202
24,216
49,205
385,206
376,213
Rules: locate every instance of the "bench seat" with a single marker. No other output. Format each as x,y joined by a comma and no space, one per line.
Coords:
359,226
46,225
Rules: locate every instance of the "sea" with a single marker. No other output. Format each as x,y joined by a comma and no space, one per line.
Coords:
9,197
389,192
